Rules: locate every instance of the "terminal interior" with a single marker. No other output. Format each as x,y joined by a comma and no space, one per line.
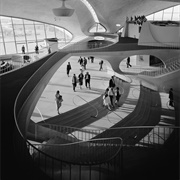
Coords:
88,136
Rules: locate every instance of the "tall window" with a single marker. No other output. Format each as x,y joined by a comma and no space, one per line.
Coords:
16,32
169,14
97,28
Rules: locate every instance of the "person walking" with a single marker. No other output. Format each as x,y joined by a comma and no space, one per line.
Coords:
112,82
80,61
37,49
87,79
68,68
58,99
118,95
84,63
23,49
74,82
111,96
49,50
80,77
128,62
101,65
171,98
106,100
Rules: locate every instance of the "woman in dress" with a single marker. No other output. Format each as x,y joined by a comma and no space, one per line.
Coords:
59,100
106,99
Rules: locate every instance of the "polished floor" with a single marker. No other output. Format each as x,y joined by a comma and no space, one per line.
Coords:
46,106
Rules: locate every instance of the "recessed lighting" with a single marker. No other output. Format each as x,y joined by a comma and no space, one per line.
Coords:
99,38
118,25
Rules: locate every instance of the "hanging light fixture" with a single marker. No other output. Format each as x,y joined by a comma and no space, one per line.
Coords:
63,10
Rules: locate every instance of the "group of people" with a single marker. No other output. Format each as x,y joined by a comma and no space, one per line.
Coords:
79,79
137,19
111,95
83,63
36,49
87,77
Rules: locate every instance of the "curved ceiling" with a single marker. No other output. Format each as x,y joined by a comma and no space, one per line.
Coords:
109,12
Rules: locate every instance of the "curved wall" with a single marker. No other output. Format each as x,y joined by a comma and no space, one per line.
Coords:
162,36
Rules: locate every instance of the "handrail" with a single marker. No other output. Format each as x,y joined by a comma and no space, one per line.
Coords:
92,145
91,106
169,67
155,134
82,142
40,113
116,128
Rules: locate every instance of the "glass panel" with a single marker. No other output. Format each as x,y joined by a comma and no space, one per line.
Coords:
68,36
41,44
38,23
30,32
176,9
19,46
167,16
28,22
10,48
17,21
8,32
40,31
1,37
19,32
59,32
2,52
150,17
158,16
176,17
176,13
101,28
5,20
97,28
49,31
93,29
168,10
31,46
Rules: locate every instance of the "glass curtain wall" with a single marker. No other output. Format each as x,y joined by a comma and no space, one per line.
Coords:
15,32
169,14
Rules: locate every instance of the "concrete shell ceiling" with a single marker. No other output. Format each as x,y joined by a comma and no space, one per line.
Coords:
109,12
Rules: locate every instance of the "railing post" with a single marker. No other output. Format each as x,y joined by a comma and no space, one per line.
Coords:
35,131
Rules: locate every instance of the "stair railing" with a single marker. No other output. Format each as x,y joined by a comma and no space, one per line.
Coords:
170,66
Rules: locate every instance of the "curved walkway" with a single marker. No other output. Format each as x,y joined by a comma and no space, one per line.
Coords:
8,100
